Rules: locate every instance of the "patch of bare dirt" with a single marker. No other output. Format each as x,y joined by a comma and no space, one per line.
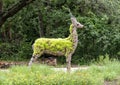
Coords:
5,64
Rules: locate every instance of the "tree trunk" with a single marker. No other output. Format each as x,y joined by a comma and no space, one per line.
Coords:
1,5
13,10
42,31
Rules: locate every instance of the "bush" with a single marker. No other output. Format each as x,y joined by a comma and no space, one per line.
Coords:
15,51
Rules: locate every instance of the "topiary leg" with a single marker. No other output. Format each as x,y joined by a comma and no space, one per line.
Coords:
34,57
68,61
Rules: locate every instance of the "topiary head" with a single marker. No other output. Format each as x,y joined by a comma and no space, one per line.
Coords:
76,23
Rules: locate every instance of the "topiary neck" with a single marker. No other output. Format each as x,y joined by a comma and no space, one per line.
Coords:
73,37
73,33
71,28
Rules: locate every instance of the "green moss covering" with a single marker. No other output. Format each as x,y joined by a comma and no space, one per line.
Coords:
70,36
71,28
54,46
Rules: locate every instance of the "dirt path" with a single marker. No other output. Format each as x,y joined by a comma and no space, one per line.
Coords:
72,69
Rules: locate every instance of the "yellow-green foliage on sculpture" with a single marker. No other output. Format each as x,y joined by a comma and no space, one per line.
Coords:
53,45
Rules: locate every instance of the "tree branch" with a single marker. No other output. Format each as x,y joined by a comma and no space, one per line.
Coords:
13,10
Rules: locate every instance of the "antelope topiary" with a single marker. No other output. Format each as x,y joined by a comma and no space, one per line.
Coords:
58,47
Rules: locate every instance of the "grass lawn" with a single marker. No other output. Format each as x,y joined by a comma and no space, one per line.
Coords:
106,74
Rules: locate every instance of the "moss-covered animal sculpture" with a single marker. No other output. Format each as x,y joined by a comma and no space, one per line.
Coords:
58,47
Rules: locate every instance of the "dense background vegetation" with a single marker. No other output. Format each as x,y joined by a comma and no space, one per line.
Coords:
48,18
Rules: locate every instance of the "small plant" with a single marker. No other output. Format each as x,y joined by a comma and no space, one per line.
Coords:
109,76
103,59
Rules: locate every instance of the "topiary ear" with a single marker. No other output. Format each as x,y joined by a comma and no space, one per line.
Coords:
73,20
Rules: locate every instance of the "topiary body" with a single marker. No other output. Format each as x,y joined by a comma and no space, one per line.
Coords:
57,47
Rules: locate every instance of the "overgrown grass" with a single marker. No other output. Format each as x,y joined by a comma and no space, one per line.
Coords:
45,75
